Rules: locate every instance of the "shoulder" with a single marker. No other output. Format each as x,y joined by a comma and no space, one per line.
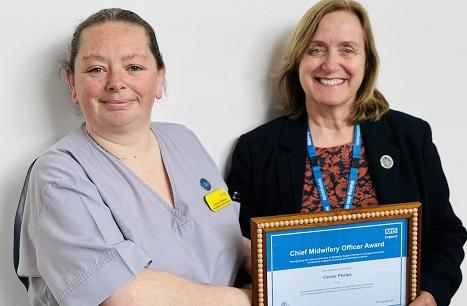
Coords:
59,152
399,124
401,121
280,134
270,132
398,117
173,130
178,139
57,164
275,125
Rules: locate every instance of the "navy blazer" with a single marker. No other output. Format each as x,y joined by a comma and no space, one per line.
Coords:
268,169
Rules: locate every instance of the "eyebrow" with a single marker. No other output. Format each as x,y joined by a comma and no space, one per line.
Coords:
102,59
344,43
132,56
93,56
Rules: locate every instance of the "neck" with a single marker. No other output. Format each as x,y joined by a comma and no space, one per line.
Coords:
125,146
329,117
330,126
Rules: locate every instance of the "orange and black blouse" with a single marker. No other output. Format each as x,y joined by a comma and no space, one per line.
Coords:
335,165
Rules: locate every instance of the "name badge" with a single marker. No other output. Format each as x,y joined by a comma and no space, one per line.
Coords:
217,199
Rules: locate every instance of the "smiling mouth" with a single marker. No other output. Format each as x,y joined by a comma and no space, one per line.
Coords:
117,102
331,82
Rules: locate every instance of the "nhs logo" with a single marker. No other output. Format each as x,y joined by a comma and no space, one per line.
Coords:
390,231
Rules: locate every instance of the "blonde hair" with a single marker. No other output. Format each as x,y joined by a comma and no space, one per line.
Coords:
370,102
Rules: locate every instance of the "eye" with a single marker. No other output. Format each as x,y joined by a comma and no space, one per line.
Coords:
95,70
135,68
316,51
347,51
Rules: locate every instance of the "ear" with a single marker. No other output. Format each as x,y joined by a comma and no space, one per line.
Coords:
160,81
71,85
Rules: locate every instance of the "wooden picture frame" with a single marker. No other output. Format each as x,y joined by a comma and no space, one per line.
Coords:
273,238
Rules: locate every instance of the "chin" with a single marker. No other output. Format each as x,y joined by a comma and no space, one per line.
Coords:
332,103
122,121
335,101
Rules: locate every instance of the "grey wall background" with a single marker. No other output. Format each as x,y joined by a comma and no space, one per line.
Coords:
219,57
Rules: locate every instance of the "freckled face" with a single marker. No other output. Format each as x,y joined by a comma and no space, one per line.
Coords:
116,79
332,68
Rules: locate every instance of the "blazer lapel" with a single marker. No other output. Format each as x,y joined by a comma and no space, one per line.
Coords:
378,142
291,164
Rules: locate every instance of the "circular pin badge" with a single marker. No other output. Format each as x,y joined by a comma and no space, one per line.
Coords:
386,162
205,184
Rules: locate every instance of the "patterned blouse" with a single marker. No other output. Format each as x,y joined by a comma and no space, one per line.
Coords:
335,165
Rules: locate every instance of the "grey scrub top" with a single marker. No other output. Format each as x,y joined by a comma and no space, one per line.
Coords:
90,225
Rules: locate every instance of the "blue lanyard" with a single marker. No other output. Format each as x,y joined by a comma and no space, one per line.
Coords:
352,184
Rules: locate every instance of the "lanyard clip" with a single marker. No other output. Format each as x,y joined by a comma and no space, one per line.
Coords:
355,162
314,161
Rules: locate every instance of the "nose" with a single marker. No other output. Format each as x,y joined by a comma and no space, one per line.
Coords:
331,62
116,81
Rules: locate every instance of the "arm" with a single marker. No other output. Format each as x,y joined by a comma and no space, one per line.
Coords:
443,249
239,180
246,264
160,288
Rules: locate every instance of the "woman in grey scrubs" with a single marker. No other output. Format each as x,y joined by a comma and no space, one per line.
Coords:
122,210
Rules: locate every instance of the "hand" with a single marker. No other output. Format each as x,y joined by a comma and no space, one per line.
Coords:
424,299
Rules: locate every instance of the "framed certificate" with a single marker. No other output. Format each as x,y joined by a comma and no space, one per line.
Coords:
365,256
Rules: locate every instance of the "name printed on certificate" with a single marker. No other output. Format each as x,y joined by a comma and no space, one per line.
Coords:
356,264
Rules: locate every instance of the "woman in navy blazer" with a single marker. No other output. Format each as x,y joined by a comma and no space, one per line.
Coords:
328,82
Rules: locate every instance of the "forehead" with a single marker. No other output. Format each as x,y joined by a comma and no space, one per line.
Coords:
114,36
340,26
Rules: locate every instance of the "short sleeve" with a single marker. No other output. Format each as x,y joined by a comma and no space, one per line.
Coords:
81,253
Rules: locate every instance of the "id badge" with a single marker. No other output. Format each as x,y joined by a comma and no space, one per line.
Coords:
218,199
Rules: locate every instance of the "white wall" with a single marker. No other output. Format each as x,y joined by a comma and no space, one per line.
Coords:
219,57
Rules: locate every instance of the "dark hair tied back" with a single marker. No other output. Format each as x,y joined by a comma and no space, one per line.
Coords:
112,14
